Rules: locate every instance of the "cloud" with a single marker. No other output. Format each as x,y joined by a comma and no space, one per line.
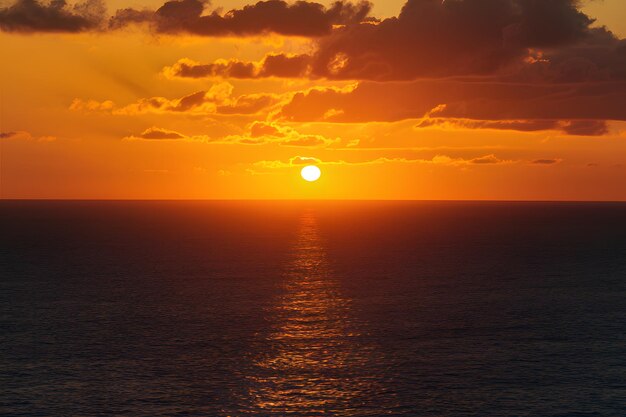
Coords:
187,68
7,135
486,160
27,16
518,125
218,99
442,160
524,65
576,108
585,127
91,105
259,133
436,39
547,161
264,133
23,135
304,160
513,40
248,104
569,127
162,134
302,18
158,133
273,65
259,129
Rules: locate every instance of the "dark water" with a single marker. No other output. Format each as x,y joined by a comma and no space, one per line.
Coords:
305,309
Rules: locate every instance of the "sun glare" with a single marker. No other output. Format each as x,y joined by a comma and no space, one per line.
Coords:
311,173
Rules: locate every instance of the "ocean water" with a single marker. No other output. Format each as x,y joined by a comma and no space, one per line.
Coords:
312,308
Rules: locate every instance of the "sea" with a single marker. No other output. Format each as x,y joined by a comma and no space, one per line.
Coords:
312,308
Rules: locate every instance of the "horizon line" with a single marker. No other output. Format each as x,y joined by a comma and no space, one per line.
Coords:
308,200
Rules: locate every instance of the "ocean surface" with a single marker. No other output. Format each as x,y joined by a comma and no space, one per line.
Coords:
312,308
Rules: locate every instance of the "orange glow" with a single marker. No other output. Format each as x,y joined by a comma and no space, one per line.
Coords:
134,113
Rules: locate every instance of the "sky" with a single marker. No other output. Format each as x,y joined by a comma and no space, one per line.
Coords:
417,99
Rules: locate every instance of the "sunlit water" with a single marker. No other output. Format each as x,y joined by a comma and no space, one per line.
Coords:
305,309
314,360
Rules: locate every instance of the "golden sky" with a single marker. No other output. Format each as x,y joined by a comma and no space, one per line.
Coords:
425,99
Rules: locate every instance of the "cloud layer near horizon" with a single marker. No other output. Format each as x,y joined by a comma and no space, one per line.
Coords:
523,65
573,108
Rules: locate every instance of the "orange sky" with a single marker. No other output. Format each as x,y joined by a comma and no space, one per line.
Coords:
461,99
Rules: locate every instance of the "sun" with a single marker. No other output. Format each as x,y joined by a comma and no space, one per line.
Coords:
311,173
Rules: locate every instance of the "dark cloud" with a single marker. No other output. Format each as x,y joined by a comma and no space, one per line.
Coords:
286,66
505,41
273,65
546,161
216,100
431,38
569,127
7,135
599,57
28,16
226,69
586,127
519,125
190,101
301,18
583,106
126,17
515,40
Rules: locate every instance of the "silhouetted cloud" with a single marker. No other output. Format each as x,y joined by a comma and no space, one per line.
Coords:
302,18
27,136
56,16
273,65
259,129
569,127
513,40
431,38
518,125
218,99
573,108
7,135
259,133
263,133
586,127
546,161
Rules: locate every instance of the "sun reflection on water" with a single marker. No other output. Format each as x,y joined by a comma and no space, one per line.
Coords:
315,361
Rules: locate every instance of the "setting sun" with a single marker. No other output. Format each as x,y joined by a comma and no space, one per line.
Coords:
311,173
